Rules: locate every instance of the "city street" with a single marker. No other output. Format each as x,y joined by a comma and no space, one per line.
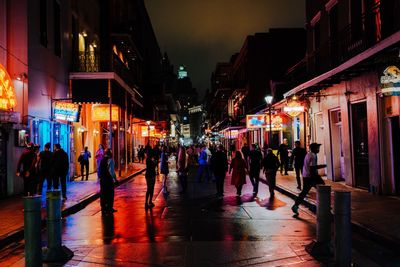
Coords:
196,229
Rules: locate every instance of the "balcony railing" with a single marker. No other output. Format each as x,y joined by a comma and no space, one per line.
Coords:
379,22
88,61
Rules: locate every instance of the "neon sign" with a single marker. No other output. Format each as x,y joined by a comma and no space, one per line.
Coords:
276,123
390,81
66,111
7,90
255,121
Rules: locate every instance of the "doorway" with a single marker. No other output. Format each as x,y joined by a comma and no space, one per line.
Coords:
360,144
3,163
392,143
336,145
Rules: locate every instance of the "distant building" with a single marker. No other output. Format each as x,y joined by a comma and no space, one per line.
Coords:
196,119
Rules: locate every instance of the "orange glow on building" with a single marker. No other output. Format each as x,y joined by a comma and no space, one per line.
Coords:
101,112
7,90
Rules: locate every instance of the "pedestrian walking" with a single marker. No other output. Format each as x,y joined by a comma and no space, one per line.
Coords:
164,169
298,155
99,156
203,165
270,166
310,175
157,155
245,151
26,169
238,169
219,165
44,167
60,168
107,179
254,161
283,153
84,161
183,167
141,154
150,179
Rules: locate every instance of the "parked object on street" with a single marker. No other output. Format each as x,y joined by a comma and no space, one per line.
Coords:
32,231
343,237
55,251
321,247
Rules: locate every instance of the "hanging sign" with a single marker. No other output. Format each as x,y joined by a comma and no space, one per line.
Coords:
66,111
7,90
294,109
256,121
390,81
101,112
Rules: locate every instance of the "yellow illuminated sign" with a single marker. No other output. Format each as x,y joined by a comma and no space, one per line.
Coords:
7,91
101,112
145,131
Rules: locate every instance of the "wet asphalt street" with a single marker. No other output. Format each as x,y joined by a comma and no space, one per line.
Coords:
195,229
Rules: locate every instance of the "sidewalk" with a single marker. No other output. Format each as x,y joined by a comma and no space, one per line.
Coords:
373,216
79,193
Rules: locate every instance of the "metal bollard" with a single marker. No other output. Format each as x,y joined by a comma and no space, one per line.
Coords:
32,231
322,245
55,252
324,216
342,228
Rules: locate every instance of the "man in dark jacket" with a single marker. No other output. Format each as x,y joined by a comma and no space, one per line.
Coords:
60,165
298,155
219,165
45,167
270,166
107,179
26,169
283,152
254,160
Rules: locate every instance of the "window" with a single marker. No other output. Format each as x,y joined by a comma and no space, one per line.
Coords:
43,22
317,35
57,29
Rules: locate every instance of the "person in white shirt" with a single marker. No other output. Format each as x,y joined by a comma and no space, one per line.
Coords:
310,175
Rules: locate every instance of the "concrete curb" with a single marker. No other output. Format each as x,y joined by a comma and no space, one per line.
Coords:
18,234
355,226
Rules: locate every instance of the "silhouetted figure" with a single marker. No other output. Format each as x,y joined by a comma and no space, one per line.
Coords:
183,168
298,155
270,166
283,152
26,169
60,165
150,179
107,179
44,167
84,161
219,165
239,168
254,161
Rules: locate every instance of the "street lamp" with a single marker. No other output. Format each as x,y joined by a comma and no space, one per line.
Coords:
268,100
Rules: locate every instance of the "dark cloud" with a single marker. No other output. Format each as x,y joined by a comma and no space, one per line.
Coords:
200,33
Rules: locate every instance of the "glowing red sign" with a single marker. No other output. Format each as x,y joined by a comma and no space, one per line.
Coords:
7,91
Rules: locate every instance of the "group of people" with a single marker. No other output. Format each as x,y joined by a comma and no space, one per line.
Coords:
36,166
213,162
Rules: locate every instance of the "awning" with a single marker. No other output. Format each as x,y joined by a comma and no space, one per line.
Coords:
93,88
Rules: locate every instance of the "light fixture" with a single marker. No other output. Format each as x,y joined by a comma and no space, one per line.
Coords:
84,34
268,99
148,123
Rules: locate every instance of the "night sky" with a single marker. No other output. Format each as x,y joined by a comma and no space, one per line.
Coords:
200,33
